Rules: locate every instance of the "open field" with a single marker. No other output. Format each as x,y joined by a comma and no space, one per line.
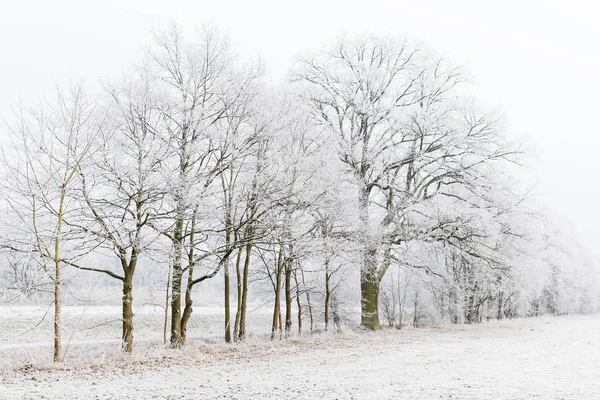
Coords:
542,358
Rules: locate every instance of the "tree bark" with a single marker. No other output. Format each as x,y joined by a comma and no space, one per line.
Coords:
327,294
176,338
238,313
308,304
288,296
127,336
242,329
227,304
369,277
298,303
57,311
369,289
226,282
276,305
187,310
165,322
57,280
500,304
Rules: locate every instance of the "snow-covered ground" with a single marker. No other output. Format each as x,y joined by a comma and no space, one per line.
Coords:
542,358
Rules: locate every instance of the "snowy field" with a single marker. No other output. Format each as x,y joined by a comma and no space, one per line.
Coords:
542,358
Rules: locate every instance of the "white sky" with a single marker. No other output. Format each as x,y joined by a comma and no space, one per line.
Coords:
537,60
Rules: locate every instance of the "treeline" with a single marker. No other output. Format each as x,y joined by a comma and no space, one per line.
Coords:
369,169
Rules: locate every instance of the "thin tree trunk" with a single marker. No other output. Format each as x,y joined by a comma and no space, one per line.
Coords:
167,305
187,310
242,330
500,304
416,310
57,281
298,303
57,311
238,313
327,294
276,306
288,296
310,312
227,305
227,283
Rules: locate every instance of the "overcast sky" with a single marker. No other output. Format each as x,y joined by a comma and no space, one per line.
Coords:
537,60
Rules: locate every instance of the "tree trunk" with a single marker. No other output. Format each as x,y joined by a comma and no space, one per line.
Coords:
166,320
369,279
369,290
416,311
500,304
228,229
227,305
327,294
238,313
176,339
187,311
242,329
127,336
57,308
276,305
288,296
298,303
57,281
310,313
327,297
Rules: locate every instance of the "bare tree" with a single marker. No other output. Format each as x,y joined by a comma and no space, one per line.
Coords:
46,149
121,185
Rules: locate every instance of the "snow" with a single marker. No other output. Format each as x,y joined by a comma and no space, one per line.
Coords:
541,358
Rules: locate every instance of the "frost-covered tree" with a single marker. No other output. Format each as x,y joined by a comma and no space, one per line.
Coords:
404,137
46,147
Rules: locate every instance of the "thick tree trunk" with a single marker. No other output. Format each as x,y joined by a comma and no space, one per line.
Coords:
176,338
280,325
369,279
187,311
127,336
369,290
500,304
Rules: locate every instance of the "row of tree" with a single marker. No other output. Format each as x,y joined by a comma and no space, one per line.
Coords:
370,169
